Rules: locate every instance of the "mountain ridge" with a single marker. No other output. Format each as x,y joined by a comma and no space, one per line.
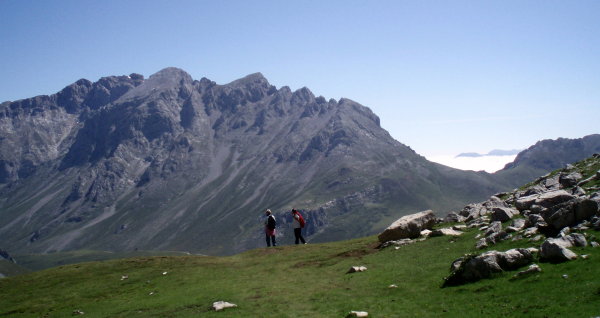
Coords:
172,163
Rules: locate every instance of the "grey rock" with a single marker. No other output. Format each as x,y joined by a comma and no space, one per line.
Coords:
519,224
557,250
409,226
356,269
221,305
594,244
532,269
445,232
503,214
569,179
354,313
530,231
473,268
577,239
454,217
578,191
552,198
494,227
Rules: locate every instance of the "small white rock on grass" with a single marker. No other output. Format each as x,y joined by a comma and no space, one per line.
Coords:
393,286
355,269
220,305
358,314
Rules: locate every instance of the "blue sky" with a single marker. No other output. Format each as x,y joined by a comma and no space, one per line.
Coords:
445,77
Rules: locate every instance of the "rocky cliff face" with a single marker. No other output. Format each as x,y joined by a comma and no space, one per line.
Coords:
174,163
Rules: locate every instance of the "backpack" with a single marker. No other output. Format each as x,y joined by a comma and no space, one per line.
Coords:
271,222
301,220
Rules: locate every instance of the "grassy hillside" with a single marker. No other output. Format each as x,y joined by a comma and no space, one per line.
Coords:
306,281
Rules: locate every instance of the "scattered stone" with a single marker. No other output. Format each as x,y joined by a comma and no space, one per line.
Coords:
445,232
124,277
454,217
356,269
578,191
536,238
594,244
409,226
495,227
585,256
358,314
220,305
481,244
426,233
557,250
565,276
459,227
536,220
164,273
517,238
531,232
78,312
519,224
393,286
511,229
533,268
397,243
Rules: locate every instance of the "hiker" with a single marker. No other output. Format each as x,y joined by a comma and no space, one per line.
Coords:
270,224
298,224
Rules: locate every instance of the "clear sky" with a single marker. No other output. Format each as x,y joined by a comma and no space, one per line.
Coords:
445,77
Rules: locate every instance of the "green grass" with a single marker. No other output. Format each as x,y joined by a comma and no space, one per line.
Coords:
306,281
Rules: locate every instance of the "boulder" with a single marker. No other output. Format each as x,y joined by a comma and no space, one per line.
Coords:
578,191
585,209
557,250
503,214
552,198
220,305
536,220
571,213
475,267
569,179
409,226
525,202
552,183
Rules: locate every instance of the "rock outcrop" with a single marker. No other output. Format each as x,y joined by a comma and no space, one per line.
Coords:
409,226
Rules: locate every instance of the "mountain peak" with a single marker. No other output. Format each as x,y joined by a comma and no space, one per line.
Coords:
172,74
254,78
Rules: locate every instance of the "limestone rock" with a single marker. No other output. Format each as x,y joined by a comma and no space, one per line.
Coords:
356,269
409,226
503,214
358,314
557,250
532,269
220,305
475,267
445,232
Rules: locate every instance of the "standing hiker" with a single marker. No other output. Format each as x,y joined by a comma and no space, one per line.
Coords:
270,224
298,224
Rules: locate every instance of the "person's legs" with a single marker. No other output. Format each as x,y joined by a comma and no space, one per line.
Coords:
298,235
273,239
268,240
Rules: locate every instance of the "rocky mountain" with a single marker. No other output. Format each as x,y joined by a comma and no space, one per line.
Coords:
173,163
548,155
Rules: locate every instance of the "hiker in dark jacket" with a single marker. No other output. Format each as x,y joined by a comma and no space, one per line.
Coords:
270,224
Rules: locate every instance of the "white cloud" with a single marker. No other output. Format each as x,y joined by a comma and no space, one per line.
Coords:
488,163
